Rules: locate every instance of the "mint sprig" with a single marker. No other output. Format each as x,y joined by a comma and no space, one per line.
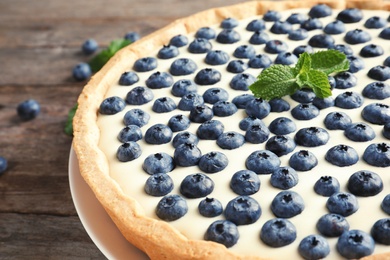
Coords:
98,61
311,71
69,122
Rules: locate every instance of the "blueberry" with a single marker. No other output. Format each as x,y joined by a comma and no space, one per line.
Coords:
213,95
246,122
260,61
345,80
332,82
228,36
171,207
311,24
282,126
350,15
158,134
377,154
301,49
245,182
109,106
128,151
213,162
287,204
387,61
342,203
371,50
314,247
311,136
199,45
229,23
296,18
385,205
187,154
224,108
230,140
159,184
386,131
207,76
357,36
298,34
223,232
163,105
139,96
159,80
262,162
128,78
168,52
321,41
242,210
320,10
158,163
145,64
272,16
210,207
196,185
183,66
377,90
189,101
327,186
3,165
130,133
342,155
132,36
284,178
332,225
359,132
257,133
365,183
280,27
303,160
81,71
136,117
201,114
379,72
206,32
381,231
178,40
30,108
210,130
89,46
286,58
258,108
305,111
279,105
183,87
335,27
344,48
242,81
244,52
255,25
280,145
278,232
237,66
376,113
385,33
216,57
242,100
349,100
184,137
179,123
337,120
259,37
355,64
275,46
354,244
322,103
303,95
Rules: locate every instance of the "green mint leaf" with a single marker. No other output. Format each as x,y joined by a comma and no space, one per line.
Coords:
69,122
98,61
303,63
329,61
318,81
274,82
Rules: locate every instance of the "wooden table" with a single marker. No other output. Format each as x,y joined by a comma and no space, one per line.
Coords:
39,45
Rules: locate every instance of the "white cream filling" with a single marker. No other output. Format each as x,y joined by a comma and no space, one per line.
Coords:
131,177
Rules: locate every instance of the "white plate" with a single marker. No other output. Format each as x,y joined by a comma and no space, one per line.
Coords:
96,221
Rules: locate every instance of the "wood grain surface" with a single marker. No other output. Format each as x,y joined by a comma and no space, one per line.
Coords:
39,45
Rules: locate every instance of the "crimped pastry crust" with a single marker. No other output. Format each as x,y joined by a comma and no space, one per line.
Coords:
157,238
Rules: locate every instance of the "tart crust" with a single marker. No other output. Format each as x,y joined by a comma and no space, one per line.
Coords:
157,238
